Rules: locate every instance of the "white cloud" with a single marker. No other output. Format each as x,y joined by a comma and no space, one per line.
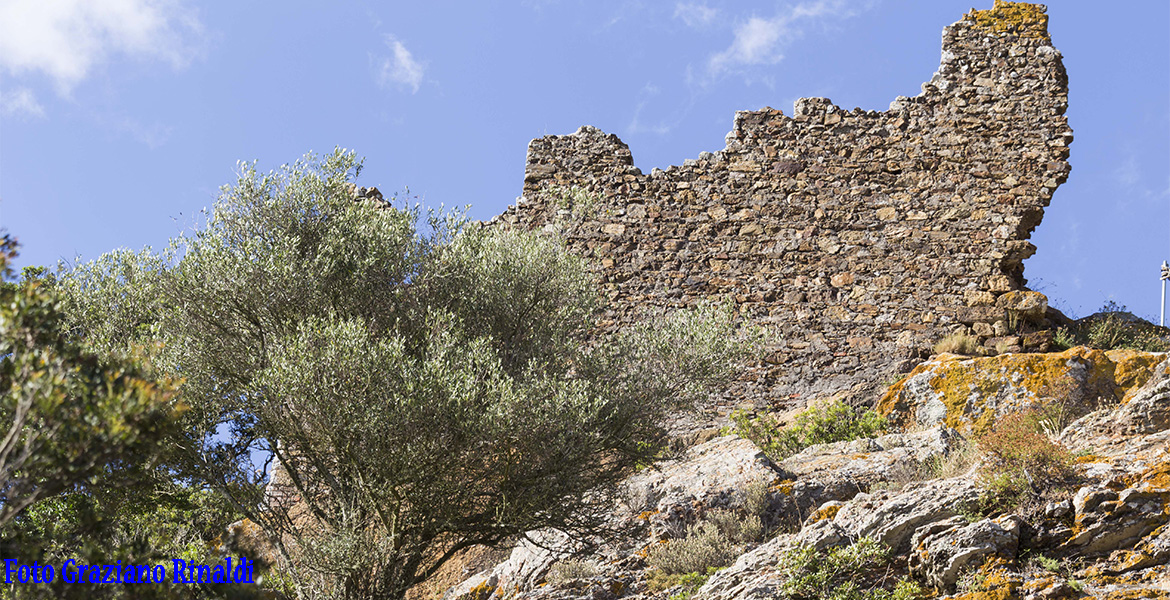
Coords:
761,41
20,102
637,123
67,39
153,136
400,68
1128,174
694,14
1133,187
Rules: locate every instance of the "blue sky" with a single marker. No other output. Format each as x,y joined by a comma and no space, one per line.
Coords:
120,119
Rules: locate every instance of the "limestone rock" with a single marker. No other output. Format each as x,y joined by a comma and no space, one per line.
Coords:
1148,408
1138,428
711,475
868,461
942,551
1107,520
893,518
528,563
969,393
754,577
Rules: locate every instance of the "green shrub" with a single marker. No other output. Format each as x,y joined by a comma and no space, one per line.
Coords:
854,572
832,422
1114,327
1020,462
1049,564
1064,338
690,582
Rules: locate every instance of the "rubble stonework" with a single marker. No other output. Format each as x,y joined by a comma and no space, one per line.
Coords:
859,237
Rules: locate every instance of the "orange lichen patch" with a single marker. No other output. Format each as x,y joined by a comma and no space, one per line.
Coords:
1039,585
970,393
784,487
825,512
996,582
1020,18
1136,594
1090,458
644,552
1134,368
482,591
1157,476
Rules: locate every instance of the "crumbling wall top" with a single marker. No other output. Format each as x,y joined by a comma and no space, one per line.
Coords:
1019,18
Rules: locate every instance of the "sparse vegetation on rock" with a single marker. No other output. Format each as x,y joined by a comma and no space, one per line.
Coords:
834,421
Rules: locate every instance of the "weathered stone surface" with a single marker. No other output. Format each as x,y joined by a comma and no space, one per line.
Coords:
871,460
1147,409
1108,520
889,518
661,500
889,226
942,551
1023,304
676,493
527,565
1133,434
968,393
892,518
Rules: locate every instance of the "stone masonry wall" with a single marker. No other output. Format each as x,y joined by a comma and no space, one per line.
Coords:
859,237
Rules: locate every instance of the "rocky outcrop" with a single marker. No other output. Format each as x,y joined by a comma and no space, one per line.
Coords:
944,550
970,393
867,461
671,495
858,237
524,568
1109,537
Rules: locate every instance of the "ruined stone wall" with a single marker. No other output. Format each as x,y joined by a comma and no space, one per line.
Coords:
859,237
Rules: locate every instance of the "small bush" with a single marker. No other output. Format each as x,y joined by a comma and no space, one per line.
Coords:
690,582
1020,462
855,572
570,569
1064,338
957,462
1113,327
704,546
712,543
832,422
958,343
1049,564
737,528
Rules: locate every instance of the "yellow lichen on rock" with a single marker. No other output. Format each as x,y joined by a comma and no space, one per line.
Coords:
825,513
995,582
1020,18
1133,369
969,393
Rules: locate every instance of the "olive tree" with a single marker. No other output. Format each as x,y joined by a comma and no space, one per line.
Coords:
421,383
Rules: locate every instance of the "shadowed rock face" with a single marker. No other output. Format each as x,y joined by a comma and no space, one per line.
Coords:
859,237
